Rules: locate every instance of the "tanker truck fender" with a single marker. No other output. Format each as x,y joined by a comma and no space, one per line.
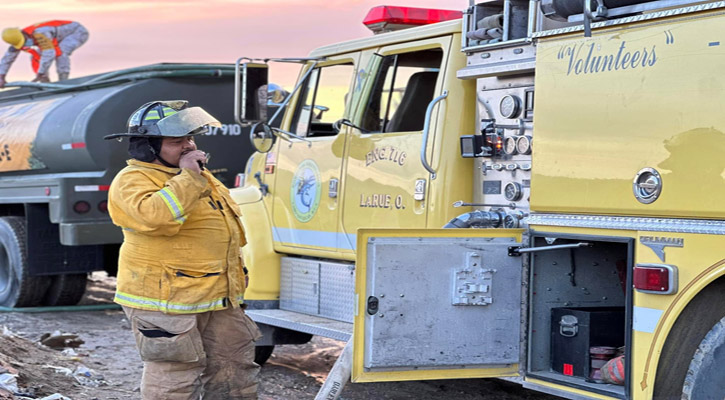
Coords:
259,256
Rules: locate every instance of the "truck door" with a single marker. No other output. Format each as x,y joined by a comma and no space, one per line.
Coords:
437,304
386,183
305,209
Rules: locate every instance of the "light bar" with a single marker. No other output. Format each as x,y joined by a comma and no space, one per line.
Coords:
389,18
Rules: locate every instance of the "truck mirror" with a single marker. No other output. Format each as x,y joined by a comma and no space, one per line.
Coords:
250,93
262,137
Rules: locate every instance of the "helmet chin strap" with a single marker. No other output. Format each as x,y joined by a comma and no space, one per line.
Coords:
158,157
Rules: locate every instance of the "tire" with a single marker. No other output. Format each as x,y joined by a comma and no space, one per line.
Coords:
705,377
262,354
65,290
692,325
17,288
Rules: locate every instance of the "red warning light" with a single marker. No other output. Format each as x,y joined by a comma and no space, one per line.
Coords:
389,18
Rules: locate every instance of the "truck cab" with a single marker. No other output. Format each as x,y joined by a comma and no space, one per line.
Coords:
366,141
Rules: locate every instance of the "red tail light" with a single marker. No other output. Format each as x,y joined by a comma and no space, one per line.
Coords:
81,207
655,278
388,18
103,206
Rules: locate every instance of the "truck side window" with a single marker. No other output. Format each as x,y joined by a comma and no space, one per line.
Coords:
403,87
322,100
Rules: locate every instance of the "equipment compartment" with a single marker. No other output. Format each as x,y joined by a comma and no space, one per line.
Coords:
588,285
574,331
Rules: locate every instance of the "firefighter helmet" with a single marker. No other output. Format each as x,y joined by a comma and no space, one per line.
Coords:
14,37
169,118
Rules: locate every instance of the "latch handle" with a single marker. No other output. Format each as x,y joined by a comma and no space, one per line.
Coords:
568,326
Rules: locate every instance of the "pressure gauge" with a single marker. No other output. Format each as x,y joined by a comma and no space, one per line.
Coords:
510,106
523,144
512,191
509,145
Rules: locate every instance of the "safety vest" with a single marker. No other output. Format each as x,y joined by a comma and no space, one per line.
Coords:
42,42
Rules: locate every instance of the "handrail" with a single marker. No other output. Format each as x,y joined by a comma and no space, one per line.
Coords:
426,132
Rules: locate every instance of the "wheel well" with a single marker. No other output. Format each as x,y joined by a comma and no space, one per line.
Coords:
698,317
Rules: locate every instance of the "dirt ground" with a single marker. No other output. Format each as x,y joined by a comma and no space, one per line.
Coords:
113,367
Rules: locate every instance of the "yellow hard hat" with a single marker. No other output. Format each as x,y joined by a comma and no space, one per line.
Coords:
14,37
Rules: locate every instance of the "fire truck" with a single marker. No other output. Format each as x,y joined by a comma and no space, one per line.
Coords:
520,192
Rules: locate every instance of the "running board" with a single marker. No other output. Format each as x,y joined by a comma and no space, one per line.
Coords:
306,323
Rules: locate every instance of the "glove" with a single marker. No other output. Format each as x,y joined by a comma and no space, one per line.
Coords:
41,78
2,81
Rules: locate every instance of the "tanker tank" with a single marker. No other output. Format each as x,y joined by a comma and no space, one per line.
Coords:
55,169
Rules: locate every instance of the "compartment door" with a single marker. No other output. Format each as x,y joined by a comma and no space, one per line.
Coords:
437,304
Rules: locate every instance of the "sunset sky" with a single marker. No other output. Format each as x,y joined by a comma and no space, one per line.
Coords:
129,33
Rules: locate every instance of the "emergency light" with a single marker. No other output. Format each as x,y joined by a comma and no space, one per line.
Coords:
390,18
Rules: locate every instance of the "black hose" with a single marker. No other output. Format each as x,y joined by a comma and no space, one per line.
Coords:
479,219
86,307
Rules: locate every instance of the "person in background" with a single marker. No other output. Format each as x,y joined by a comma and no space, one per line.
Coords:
181,279
45,41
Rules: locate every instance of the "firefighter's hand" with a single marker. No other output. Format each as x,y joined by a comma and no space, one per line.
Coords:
193,160
2,81
41,78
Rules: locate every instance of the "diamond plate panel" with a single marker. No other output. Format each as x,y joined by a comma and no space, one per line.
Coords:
300,285
337,291
416,324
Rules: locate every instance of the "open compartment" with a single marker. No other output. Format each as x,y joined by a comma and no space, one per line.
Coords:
497,21
578,310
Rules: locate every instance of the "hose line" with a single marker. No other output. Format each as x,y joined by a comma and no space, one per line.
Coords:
85,307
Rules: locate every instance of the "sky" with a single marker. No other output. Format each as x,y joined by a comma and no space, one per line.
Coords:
130,33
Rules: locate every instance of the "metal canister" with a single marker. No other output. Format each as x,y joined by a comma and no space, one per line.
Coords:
598,356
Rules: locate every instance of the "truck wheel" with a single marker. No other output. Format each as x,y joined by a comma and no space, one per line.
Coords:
65,290
705,377
262,354
17,289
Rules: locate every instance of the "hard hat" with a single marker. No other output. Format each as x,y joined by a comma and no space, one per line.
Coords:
169,118
14,37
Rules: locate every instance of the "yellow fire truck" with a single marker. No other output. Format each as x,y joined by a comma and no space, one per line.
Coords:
393,149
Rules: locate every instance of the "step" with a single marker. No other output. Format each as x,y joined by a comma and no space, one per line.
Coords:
306,323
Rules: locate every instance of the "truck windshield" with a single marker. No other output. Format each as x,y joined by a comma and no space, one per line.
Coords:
322,100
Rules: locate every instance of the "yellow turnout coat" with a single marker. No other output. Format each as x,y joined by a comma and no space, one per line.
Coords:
182,236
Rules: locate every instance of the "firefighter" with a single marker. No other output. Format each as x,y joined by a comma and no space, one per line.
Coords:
46,41
181,279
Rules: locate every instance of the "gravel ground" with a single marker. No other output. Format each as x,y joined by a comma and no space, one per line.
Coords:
293,372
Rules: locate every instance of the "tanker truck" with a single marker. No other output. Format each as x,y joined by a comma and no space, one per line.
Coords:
55,170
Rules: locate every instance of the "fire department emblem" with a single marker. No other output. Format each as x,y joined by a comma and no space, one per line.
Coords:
305,191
